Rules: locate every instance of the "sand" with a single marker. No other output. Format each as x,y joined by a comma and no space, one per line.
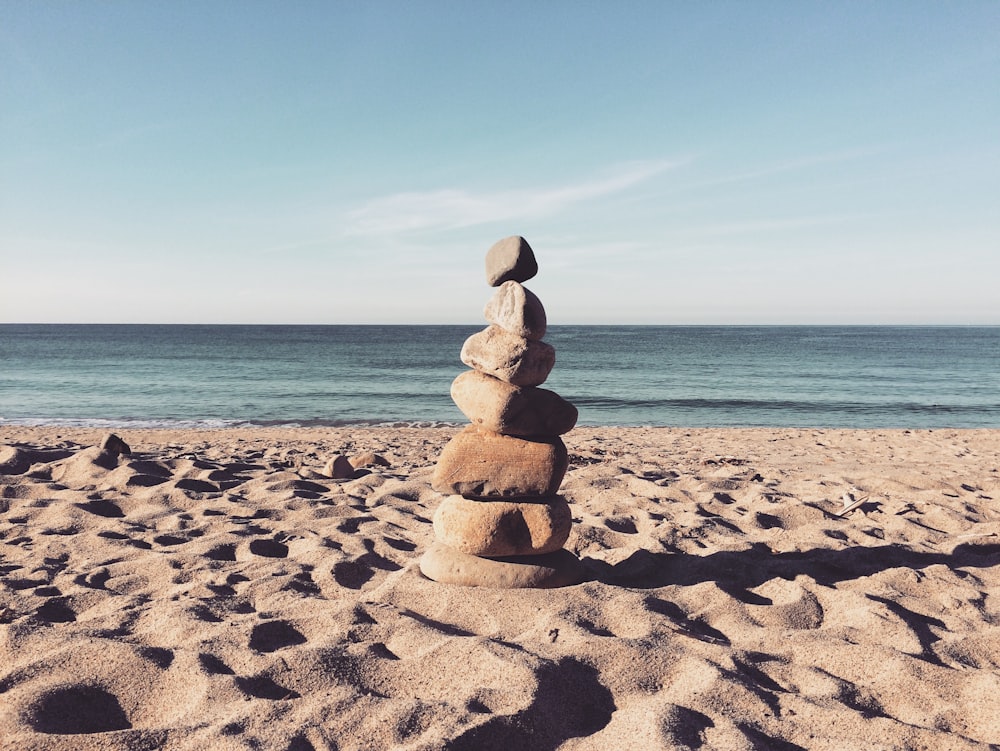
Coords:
215,591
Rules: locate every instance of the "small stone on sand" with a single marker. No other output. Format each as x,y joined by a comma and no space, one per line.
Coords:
339,468
114,445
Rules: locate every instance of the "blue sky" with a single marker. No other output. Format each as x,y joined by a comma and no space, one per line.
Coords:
350,162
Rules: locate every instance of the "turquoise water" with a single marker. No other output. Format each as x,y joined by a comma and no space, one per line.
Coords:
692,376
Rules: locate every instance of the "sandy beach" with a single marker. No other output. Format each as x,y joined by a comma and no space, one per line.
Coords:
214,590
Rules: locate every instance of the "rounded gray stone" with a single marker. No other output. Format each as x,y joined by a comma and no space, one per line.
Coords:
112,444
504,408
517,309
509,357
510,258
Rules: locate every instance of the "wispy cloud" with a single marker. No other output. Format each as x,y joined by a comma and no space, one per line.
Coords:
768,225
795,165
454,208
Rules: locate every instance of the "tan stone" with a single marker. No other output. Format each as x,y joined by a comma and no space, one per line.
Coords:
339,468
112,444
512,410
368,459
516,309
478,463
500,528
509,357
450,566
510,258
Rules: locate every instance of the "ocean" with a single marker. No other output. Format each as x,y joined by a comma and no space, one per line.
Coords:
683,376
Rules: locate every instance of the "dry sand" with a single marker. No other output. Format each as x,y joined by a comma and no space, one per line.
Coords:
214,591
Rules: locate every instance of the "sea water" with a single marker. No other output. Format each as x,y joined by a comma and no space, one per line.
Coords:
689,376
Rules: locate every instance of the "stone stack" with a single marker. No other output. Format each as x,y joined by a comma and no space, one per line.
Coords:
502,523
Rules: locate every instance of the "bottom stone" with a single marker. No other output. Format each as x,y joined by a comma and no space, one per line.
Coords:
503,528
449,566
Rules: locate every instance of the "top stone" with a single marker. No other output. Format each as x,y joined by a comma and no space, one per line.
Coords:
510,259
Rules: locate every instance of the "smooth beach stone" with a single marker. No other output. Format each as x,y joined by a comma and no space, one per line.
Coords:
449,566
510,258
339,468
501,528
112,444
478,463
368,459
516,309
512,410
509,357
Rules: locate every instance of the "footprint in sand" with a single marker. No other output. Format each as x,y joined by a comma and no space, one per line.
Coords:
768,521
56,610
271,636
352,574
268,548
193,485
126,688
567,689
212,665
76,709
682,727
791,604
263,686
103,508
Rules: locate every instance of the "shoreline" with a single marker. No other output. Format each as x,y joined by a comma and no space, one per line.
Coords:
100,428
215,589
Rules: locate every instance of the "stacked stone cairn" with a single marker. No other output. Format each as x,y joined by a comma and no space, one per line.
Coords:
502,523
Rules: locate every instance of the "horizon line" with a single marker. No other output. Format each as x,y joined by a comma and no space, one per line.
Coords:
481,323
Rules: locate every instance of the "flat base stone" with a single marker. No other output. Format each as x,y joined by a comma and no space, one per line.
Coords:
448,566
503,528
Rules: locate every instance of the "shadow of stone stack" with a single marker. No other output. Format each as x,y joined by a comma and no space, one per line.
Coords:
502,523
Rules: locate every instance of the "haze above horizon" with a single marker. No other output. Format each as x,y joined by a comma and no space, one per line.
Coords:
670,163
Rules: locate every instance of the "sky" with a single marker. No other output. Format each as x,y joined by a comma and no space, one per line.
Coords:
670,162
